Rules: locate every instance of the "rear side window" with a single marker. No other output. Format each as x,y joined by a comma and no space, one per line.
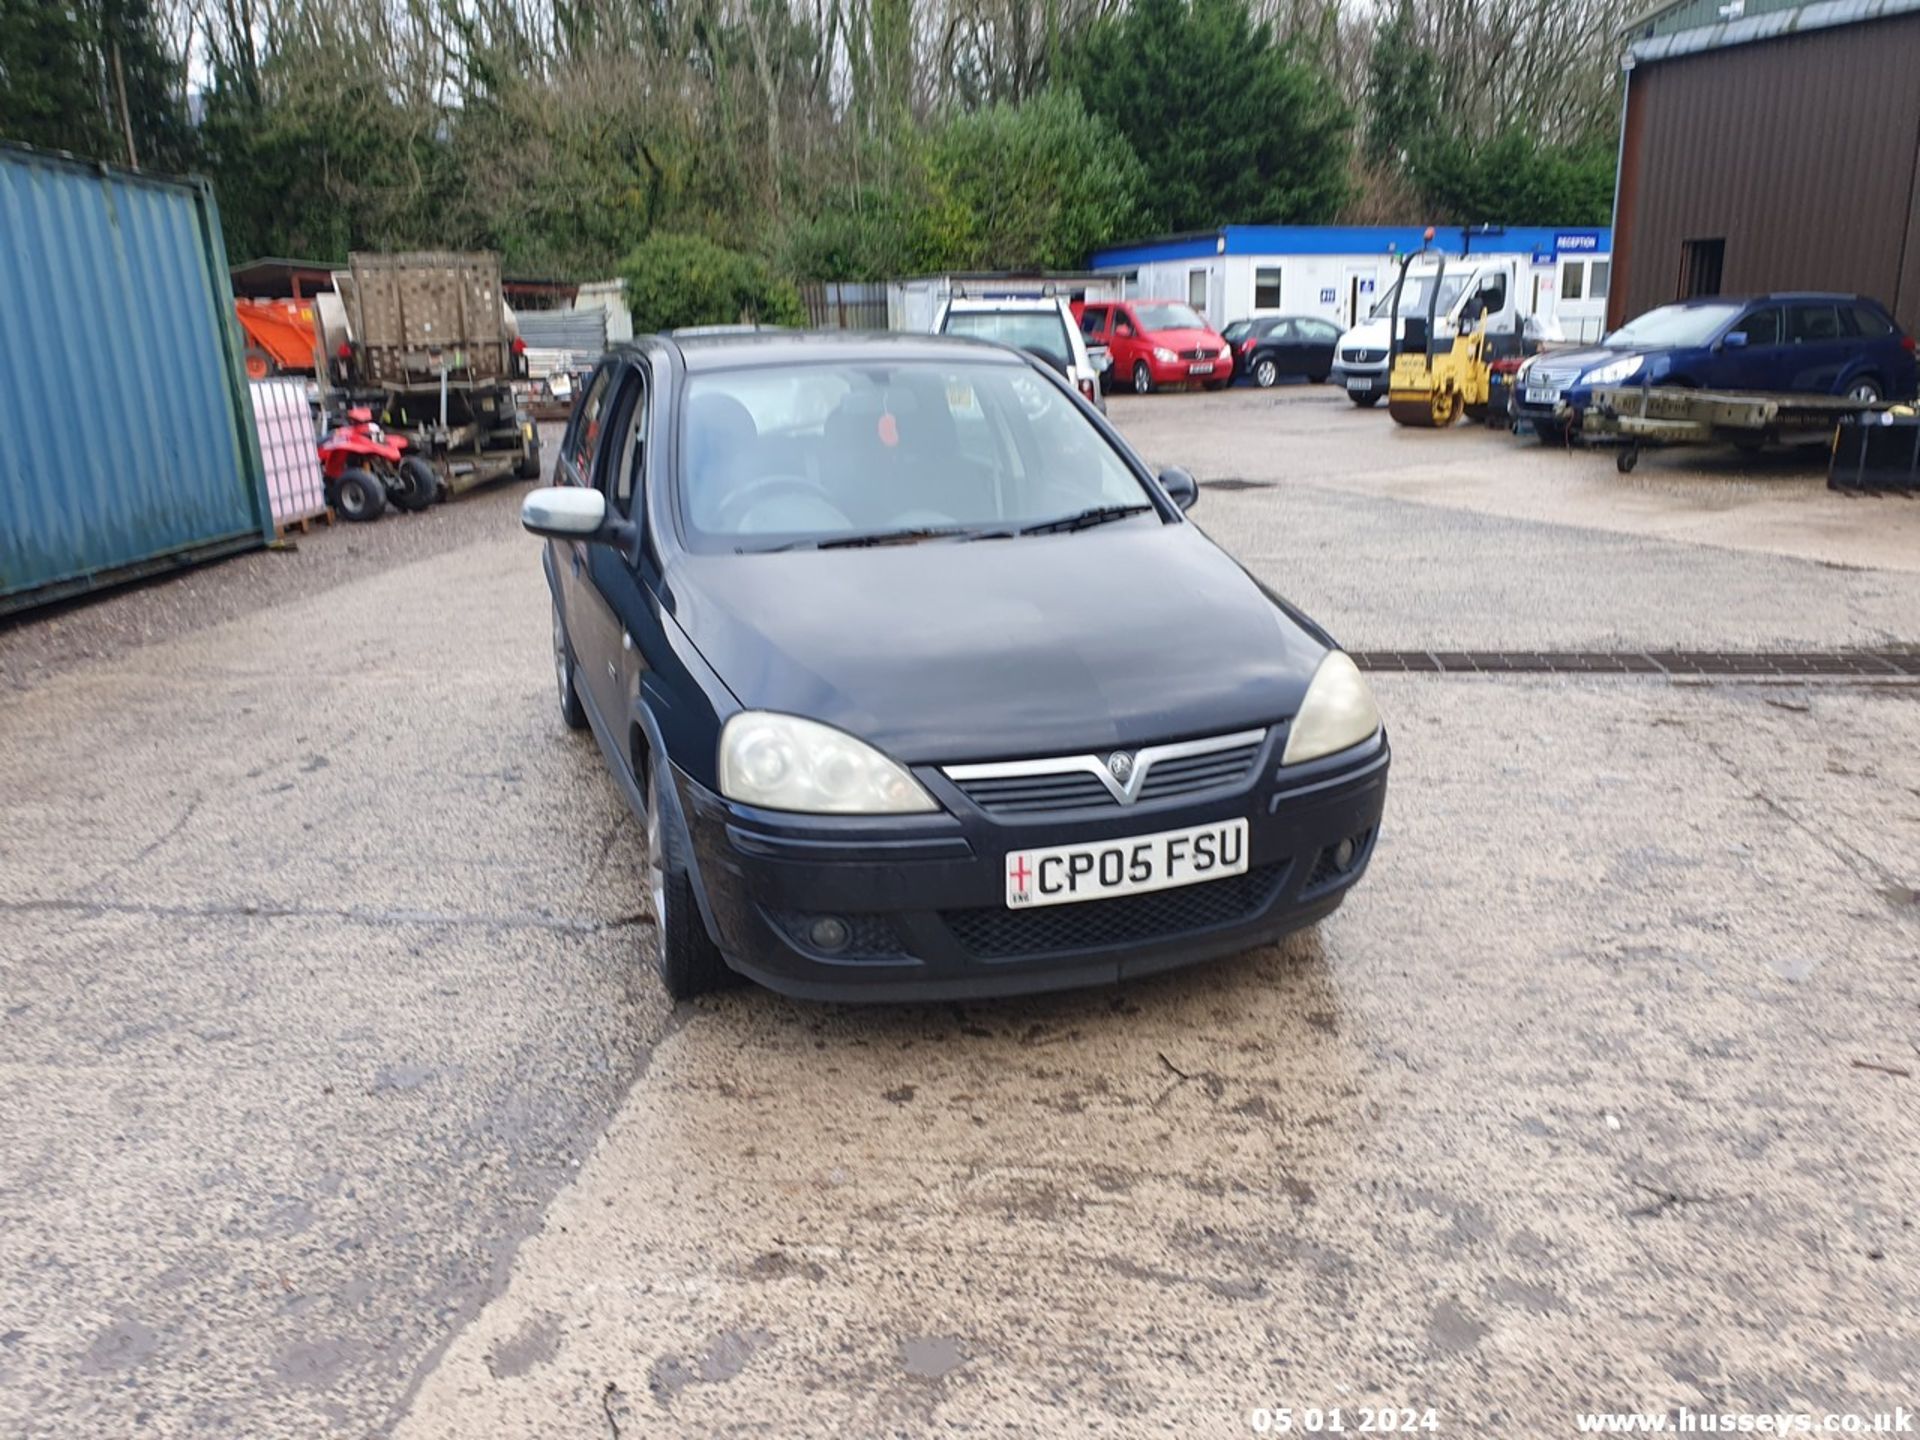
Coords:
1808,324
1093,319
1869,321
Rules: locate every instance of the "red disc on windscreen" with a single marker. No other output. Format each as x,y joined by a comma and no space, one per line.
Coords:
889,429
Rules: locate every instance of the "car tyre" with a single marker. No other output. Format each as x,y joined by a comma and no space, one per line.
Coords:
566,673
419,486
1266,374
684,955
1866,390
1367,401
1142,378
360,496
1319,379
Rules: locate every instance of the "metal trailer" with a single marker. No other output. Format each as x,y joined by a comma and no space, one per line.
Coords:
1634,417
130,447
426,342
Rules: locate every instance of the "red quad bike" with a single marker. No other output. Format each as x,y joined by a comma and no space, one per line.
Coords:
365,469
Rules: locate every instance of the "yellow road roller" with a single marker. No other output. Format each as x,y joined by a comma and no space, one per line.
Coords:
1426,385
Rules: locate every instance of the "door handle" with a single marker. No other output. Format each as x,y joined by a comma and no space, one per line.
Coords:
612,674
576,562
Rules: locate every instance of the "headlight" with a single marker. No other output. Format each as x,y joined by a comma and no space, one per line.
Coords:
1612,372
1338,712
1164,355
785,763
1226,352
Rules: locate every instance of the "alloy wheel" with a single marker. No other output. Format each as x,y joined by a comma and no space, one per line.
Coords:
1264,374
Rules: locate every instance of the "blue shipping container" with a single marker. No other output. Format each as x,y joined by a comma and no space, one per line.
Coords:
128,445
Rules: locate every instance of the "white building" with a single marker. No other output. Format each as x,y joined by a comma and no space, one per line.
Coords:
1335,272
913,303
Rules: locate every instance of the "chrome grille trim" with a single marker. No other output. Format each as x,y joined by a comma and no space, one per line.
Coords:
1066,773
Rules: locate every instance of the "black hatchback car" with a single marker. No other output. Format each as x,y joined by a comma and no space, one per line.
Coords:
922,683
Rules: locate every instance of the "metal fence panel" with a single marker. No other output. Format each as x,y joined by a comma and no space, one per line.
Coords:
583,330
845,305
130,446
289,449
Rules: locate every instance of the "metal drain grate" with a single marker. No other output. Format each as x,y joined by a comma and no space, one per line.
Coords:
1882,663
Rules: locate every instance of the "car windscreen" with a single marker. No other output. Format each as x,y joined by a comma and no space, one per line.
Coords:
805,453
1672,325
1168,317
1039,332
1236,332
1419,291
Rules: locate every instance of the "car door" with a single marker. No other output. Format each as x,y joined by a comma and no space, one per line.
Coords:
1316,339
1758,364
1125,342
611,595
1279,339
573,466
1819,345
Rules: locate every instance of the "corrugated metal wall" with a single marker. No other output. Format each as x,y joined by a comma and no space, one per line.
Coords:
129,444
582,330
1802,152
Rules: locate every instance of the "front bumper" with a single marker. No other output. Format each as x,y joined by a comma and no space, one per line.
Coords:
1181,372
1360,381
1562,417
922,898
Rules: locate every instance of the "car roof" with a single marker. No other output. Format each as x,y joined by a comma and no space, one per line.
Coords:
1832,296
1048,303
727,351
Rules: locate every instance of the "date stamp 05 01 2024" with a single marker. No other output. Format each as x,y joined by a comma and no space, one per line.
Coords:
1343,1420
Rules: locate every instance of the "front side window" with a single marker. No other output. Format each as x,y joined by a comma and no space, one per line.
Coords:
1762,327
779,455
584,441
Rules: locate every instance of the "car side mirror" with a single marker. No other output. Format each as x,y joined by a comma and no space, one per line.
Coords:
573,512
1734,340
1180,486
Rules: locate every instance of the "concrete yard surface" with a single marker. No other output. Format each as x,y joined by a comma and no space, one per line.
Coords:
337,1102
1562,1111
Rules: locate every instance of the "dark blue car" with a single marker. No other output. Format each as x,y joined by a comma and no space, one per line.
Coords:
922,684
1807,343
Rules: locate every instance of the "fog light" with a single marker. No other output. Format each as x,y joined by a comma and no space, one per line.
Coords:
829,933
1343,854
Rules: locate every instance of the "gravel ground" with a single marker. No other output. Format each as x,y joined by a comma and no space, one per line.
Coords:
59,638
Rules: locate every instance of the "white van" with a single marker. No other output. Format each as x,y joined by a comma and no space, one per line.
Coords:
1489,283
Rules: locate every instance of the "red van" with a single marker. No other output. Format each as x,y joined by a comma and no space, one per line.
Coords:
1155,343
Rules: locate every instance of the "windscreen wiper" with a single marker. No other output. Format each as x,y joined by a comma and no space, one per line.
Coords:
1084,519
877,537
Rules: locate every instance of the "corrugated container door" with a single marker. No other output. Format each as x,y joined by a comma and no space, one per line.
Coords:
129,445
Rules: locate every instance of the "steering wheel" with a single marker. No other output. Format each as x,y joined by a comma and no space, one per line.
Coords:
734,508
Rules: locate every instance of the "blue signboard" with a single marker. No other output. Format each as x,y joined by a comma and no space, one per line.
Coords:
1326,296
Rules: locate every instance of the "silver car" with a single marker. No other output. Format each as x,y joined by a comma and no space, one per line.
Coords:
1042,326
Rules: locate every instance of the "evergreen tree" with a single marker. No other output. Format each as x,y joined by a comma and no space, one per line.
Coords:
1229,126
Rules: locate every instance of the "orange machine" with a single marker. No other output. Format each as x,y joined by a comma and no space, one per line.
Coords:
280,336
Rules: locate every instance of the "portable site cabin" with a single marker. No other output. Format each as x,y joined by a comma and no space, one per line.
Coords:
1338,272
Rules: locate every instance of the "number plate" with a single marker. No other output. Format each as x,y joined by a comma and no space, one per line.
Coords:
1204,367
1359,384
1542,395
1131,865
